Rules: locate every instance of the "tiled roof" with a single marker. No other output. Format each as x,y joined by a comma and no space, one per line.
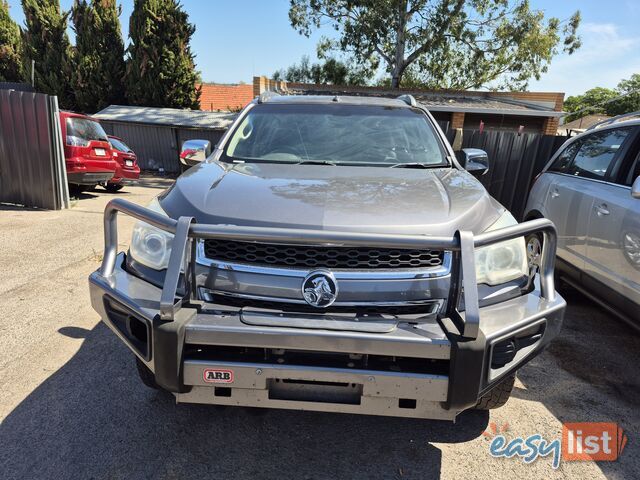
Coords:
167,116
464,101
584,122
469,102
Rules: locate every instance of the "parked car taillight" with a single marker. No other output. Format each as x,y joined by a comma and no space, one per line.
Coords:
77,141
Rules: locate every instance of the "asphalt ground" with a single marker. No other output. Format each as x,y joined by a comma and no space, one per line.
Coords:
72,406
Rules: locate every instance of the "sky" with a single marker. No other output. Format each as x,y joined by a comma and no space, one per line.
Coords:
237,39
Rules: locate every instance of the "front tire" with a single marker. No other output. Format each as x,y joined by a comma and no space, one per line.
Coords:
534,249
146,375
498,395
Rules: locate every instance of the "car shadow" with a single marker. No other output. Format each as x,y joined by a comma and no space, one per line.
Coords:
74,196
124,191
93,418
598,379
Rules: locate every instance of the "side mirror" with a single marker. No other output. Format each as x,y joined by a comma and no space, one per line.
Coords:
635,188
195,151
474,161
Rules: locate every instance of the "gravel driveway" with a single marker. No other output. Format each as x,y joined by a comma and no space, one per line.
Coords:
72,406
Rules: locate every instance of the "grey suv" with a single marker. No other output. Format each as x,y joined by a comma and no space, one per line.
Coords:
331,254
591,191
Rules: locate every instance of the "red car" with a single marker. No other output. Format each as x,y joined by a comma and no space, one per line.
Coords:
127,164
87,152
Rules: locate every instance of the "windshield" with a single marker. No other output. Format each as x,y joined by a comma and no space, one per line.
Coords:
85,129
119,145
337,134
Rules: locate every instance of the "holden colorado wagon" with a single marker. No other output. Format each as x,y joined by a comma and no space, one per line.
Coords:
331,254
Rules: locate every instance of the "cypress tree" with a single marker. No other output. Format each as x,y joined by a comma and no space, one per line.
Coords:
45,40
10,47
98,79
160,66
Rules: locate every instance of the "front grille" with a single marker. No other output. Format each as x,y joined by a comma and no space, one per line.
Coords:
292,256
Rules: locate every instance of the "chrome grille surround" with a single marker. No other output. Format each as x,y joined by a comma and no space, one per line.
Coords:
397,287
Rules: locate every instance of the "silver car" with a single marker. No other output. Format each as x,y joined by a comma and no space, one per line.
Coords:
590,189
331,254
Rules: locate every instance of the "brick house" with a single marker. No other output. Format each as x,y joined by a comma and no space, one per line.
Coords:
218,97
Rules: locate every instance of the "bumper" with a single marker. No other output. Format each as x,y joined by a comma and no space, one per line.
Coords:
89,178
85,170
448,372
432,367
125,173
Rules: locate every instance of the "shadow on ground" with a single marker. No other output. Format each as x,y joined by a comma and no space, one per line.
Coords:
12,207
601,355
94,419
598,349
84,195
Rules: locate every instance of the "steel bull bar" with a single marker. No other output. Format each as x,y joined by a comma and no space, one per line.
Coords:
468,359
462,245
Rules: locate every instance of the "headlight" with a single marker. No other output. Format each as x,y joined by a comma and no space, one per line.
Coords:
151,246
502,262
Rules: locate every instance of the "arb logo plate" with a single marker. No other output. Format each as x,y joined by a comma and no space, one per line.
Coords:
217,375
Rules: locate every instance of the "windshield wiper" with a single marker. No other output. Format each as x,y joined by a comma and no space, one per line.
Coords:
412,165
316,162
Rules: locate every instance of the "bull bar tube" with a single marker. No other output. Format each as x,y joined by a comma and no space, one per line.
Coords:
462,246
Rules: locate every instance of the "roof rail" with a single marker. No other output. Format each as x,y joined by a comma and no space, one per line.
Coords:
617,118
408,99
266,96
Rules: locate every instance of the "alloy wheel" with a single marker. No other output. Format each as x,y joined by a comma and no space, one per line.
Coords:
534,251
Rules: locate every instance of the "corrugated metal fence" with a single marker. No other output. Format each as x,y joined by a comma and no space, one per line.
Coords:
32,168
158,146
514,159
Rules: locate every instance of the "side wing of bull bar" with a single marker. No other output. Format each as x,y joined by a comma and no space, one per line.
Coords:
462,245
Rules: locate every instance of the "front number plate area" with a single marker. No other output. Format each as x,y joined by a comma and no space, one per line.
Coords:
344,322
